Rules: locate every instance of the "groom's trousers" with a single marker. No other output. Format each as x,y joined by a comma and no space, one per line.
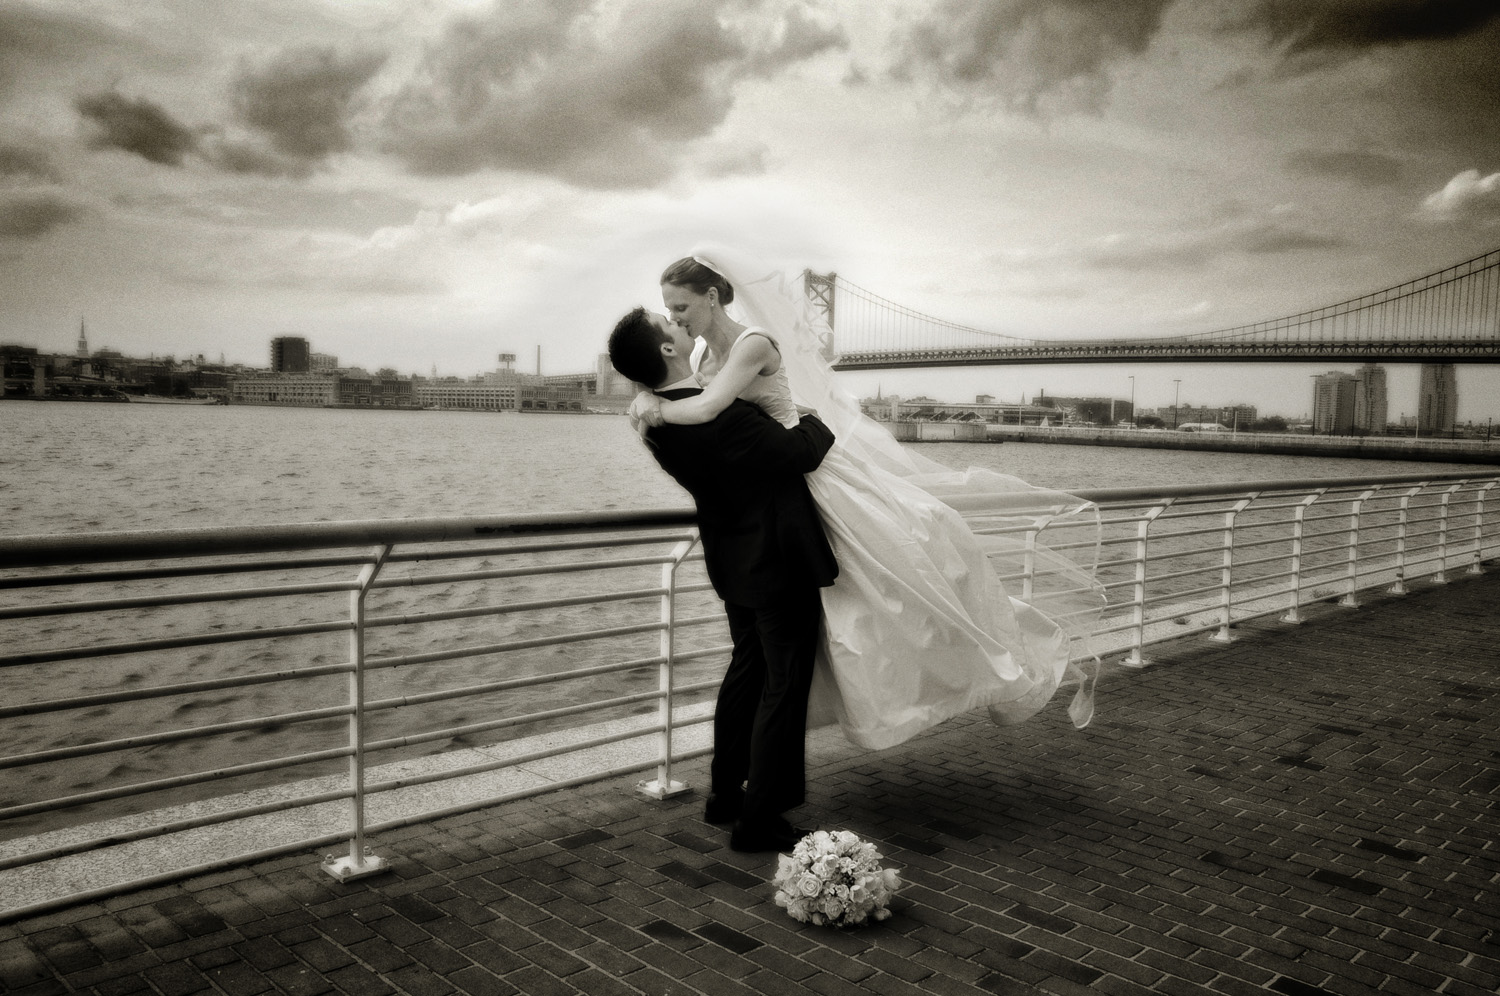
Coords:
760,722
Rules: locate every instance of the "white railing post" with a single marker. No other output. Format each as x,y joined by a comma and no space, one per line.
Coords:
1477,565
1403,515
360,861
1351,597
1028,582
1226,574
1441,577
663,785
1294,612
1138,610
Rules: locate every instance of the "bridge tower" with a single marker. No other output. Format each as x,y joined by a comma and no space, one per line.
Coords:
820,288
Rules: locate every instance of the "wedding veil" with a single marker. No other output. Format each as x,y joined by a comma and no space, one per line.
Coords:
1008,517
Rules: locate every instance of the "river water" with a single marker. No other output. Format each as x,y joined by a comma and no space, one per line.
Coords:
66,467
69,468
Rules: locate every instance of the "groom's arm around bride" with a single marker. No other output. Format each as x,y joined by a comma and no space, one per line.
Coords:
767,557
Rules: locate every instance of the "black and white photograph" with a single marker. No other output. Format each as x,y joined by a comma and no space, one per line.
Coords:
749,496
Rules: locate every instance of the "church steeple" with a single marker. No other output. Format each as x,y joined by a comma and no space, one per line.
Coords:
83,340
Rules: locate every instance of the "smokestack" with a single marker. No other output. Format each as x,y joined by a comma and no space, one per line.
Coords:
538,360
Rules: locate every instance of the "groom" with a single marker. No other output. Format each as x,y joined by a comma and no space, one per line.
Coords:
767,557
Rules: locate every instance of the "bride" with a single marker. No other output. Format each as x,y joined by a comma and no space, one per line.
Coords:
919,626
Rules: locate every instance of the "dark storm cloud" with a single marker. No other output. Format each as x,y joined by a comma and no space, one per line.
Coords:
1432,67
1304,26
302,100
31,34
1372,169
137,126
593,98
1028,54
20,163
297,109
30,216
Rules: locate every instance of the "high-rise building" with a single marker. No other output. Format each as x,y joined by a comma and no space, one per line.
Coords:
290,354
1333,403
1437,404
1370,406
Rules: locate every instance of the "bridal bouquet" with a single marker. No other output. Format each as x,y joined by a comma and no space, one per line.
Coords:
834,879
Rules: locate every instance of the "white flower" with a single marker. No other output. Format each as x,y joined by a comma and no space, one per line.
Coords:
833,879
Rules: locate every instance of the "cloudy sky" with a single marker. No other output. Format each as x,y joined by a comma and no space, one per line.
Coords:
425,183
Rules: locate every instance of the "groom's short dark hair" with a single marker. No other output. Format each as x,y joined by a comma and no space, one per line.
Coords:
635,349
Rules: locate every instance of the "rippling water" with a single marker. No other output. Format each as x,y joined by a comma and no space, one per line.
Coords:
66,468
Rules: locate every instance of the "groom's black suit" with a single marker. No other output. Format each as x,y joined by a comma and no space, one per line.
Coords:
767,556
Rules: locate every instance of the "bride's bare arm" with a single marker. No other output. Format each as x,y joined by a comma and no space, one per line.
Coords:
752,356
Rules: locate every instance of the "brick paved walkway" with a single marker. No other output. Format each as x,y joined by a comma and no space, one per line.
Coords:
1310,809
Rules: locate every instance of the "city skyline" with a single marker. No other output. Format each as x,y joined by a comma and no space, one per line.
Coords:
1409,375
379,177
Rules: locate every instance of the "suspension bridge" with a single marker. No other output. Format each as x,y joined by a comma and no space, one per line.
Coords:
1449,316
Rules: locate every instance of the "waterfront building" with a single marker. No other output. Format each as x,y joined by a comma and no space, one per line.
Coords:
1370,405
1437,405
22,370
893,408
1091,411
293,389
550,398
380,391
322,363
1238,417
473,395
1232,417
290,354
1333,403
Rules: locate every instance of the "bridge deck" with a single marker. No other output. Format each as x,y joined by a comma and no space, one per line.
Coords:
1305,810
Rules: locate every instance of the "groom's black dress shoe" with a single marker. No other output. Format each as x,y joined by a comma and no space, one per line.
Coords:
776,835
721,808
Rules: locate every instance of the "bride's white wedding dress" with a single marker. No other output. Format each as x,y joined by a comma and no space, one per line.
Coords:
919,626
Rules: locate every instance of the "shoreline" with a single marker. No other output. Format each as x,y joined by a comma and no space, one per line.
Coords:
1477,451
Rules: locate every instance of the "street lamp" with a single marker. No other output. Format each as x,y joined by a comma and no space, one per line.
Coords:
1176,393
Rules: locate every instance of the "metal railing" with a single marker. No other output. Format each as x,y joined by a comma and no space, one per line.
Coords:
245,692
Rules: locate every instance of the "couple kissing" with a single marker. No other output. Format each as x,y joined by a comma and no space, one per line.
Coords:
855,593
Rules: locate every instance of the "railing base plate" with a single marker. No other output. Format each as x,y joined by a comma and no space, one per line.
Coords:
346,869
656,790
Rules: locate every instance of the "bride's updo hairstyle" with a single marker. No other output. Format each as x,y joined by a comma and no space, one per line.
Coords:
698,278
